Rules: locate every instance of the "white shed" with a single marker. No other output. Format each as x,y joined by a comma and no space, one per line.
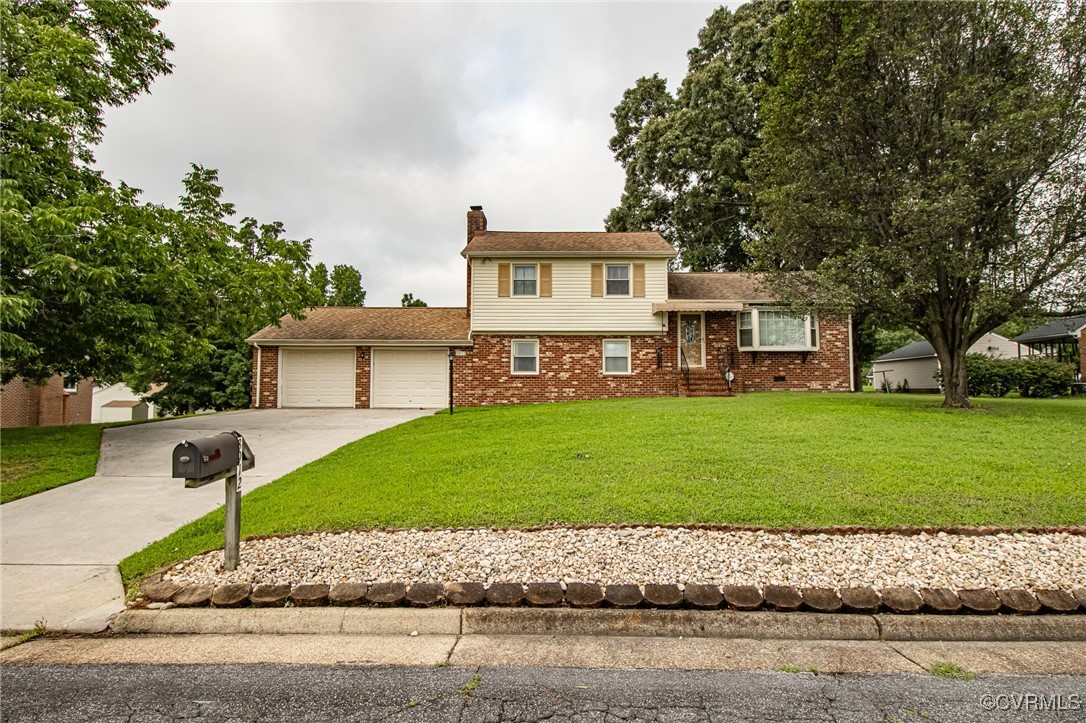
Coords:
914,366
105,396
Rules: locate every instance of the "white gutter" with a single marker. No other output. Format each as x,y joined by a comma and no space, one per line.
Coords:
567,254
259,360
361,342
851,360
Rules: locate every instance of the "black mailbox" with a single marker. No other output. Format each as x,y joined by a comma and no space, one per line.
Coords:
206,459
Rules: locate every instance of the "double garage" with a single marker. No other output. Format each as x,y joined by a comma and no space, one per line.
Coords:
329,376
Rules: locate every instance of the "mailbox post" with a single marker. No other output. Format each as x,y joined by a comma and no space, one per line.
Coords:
207,459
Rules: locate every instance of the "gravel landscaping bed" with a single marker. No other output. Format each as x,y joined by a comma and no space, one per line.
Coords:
604,556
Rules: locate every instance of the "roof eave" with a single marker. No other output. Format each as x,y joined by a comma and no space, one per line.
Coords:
254,341
571,254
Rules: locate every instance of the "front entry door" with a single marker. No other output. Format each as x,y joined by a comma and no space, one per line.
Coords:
692,338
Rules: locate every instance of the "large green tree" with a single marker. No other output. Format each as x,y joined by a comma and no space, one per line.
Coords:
95,282
231,279
82,263
926,163
684,154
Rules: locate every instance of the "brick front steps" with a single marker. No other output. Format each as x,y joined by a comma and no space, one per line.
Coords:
781,598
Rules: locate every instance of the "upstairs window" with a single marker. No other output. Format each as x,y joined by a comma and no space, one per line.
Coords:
618,279
777,330
525,280
71,385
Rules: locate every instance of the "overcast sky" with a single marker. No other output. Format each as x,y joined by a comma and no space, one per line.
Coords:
371,128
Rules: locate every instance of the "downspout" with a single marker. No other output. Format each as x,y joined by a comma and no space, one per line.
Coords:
851,360
259,369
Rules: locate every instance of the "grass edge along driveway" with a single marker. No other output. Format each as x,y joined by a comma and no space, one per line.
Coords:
36,459
774,459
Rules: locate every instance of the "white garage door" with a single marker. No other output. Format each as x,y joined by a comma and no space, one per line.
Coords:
317,377
410,378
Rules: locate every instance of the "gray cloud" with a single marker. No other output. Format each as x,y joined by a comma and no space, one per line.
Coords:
372,127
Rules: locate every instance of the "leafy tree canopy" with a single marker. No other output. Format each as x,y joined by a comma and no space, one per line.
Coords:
93,281
926,162
346,287
410,300
82,260
318,279
231,279
684,154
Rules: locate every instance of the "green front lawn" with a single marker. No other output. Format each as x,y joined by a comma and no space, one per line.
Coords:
759,459
35,459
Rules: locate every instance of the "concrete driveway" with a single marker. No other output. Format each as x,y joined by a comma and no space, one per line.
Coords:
60,548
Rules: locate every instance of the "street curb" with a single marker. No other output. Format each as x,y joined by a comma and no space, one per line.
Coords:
156,593
598,622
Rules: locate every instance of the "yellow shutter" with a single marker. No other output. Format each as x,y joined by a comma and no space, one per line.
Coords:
597,279
503,280
639,280
544,279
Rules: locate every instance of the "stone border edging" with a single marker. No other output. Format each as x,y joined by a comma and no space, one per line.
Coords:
907,530
780,598
761,625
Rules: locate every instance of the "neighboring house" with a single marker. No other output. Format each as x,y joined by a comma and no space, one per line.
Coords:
118,403
914,366
1061,339
59,401
554,317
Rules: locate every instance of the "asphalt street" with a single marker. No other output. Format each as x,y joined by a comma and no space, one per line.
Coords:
151,693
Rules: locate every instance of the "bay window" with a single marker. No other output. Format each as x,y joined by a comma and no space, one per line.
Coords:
777,330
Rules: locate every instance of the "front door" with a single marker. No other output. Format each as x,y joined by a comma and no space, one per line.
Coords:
692,339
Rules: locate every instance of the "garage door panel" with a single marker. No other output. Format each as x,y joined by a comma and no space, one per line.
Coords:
410,377
318,377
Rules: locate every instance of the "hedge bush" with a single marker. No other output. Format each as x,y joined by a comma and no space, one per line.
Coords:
1036,377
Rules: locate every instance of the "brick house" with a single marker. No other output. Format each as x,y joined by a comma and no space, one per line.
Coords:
554,317
58,401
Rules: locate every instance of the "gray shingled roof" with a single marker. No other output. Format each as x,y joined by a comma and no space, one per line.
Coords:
566,243
357,323
916,350
1056,330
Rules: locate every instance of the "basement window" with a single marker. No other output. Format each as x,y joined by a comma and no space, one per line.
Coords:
525,355
616,356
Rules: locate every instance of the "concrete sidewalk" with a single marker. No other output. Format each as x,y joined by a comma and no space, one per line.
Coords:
553,651
60,548
546,638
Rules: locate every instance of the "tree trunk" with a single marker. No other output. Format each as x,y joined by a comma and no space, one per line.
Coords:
857,354
955,379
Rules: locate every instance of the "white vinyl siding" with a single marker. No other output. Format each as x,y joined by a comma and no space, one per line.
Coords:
317,377
410,378
919,374
571,308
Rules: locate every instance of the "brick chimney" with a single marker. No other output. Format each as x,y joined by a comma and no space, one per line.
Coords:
476,222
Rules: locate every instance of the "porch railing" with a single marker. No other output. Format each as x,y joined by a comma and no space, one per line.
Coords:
684,366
